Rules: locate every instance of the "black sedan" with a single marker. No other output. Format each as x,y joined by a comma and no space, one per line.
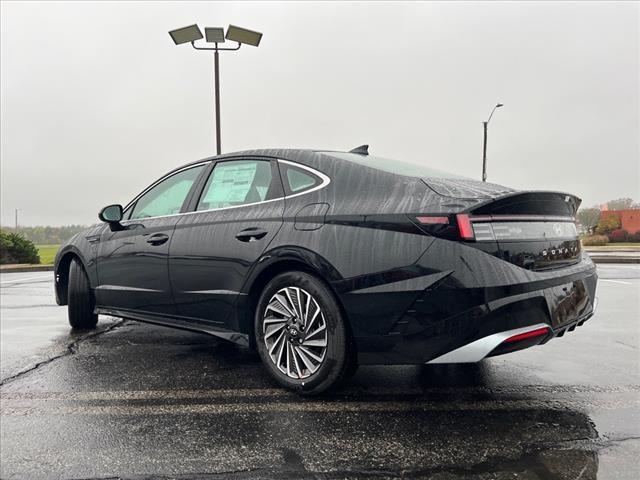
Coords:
324,260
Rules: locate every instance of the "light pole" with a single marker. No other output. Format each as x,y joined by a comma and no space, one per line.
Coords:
484,146
216,35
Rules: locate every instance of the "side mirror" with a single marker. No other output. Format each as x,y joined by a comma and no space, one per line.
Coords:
111,214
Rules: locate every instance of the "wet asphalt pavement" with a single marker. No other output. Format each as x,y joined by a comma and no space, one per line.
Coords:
139,401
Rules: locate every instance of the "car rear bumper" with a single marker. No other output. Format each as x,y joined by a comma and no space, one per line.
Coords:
476,297
510,341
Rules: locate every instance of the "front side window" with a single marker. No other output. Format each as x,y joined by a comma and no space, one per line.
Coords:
239,182
167,197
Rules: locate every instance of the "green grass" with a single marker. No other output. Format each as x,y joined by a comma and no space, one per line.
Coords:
47,253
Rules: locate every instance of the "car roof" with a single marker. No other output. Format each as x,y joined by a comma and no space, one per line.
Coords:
284,153
311,157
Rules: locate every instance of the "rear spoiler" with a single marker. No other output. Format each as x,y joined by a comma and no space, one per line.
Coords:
484,198
529,202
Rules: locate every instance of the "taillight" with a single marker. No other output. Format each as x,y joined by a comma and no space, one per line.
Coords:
453,227
464,226
433,220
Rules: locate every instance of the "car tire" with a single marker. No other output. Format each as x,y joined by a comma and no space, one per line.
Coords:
297,322
80,299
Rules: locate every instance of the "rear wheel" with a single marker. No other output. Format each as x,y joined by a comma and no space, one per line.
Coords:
80,299
301,335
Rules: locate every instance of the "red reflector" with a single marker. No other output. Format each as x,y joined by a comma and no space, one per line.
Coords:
464,225
433,220
523,336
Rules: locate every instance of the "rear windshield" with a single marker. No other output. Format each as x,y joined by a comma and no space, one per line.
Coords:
394,166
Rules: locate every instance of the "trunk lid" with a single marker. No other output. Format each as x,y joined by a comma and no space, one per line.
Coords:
532,229
463,188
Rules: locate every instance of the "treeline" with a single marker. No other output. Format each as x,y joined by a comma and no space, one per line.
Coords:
590,216
47,235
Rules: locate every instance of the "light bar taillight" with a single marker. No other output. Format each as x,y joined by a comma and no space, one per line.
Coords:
433,220
538,332
465,227
492,228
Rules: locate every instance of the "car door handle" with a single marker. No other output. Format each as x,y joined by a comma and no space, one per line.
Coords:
157,239
251,234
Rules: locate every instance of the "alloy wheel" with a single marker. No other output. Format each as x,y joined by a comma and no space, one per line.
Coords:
295,332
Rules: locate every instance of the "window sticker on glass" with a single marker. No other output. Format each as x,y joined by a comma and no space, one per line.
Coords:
230,183
237,182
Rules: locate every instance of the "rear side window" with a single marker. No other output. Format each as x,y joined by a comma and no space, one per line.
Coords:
297,179
239,182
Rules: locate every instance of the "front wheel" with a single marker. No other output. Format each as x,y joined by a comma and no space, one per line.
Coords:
80,299
301,335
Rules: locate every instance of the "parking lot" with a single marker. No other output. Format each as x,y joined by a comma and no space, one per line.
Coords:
136,400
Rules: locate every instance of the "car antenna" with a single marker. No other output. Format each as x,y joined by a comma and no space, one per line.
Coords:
361,150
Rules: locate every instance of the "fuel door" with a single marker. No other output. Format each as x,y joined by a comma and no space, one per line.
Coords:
311,216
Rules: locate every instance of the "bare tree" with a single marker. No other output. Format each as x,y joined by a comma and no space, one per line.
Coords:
588,218
621,204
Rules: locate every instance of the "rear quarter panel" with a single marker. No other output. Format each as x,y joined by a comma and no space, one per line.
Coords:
362,238
352,236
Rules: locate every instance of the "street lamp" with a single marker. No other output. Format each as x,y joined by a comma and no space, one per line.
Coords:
484,148
216,35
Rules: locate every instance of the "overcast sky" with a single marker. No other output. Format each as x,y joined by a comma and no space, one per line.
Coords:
97,102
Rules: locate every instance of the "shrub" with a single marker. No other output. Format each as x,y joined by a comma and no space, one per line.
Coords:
634,237
14,248
618,235
607,224
595,241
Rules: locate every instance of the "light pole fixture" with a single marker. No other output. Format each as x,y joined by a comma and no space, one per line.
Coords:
484,147
216,35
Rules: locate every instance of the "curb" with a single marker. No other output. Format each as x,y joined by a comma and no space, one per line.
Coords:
614,259
26,268
611,251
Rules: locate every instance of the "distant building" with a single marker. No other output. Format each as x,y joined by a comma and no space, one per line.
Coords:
629,219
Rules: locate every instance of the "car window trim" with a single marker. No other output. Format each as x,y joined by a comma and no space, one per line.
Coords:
325,181
196,193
